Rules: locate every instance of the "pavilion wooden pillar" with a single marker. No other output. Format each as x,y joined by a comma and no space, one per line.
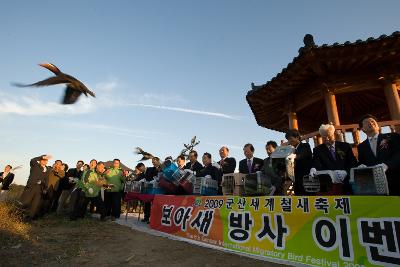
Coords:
332,112
356,136
292,116
393,100
331,108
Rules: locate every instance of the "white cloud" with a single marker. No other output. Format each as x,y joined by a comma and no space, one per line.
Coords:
33,106
106,97
107,87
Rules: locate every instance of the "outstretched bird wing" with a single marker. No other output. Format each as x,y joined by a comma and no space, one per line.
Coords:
71,95
145,154
193,140
46,82
51,67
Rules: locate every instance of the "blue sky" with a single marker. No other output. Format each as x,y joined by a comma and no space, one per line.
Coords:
163,71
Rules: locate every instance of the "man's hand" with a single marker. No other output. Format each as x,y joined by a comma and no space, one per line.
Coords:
216,165
47,157
339,176
313,171
384,166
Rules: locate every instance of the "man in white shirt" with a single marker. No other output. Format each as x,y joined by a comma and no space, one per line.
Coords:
383,149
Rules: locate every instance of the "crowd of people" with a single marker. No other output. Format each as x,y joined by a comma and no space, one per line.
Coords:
65,190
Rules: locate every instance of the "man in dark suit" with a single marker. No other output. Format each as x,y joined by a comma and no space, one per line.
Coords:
381,149
302,162
193,164
211,170
228,165
148,174
333,155
31,197
67,184
6,178
270,172
250,164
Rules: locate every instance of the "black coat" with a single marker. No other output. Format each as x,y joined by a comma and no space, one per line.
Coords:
64,182
36,173
211,170
387,152
256,166
345,160
228,165
323,160
6,181
196,166
302,166
148,174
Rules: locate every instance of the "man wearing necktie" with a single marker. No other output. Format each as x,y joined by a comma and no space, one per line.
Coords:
381,149
270,172
302,162
333,155
228,165
250,164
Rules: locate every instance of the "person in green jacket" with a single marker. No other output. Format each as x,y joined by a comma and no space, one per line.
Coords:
115,179
77,198
93,181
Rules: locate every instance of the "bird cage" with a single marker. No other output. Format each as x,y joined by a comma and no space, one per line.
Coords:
205,186
323,183
232,184
186,181
369,181
256,184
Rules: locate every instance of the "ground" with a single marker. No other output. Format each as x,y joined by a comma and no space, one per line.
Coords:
53,240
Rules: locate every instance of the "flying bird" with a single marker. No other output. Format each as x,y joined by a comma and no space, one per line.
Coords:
74,87
189,147
146,155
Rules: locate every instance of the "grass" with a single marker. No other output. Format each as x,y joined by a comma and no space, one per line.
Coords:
12,229
50,239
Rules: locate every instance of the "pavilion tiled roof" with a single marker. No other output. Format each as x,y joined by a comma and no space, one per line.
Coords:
353,71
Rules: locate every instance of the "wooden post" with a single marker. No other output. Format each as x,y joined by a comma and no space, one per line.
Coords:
293,120
331,108
356,136
319,140
315,141
339,136
393,100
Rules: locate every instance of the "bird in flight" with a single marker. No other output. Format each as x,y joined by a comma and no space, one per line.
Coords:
74,87
189,147
146,155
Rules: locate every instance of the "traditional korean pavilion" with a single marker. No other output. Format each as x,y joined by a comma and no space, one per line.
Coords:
335,84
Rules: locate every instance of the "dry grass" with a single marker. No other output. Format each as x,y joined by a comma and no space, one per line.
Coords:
11,227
